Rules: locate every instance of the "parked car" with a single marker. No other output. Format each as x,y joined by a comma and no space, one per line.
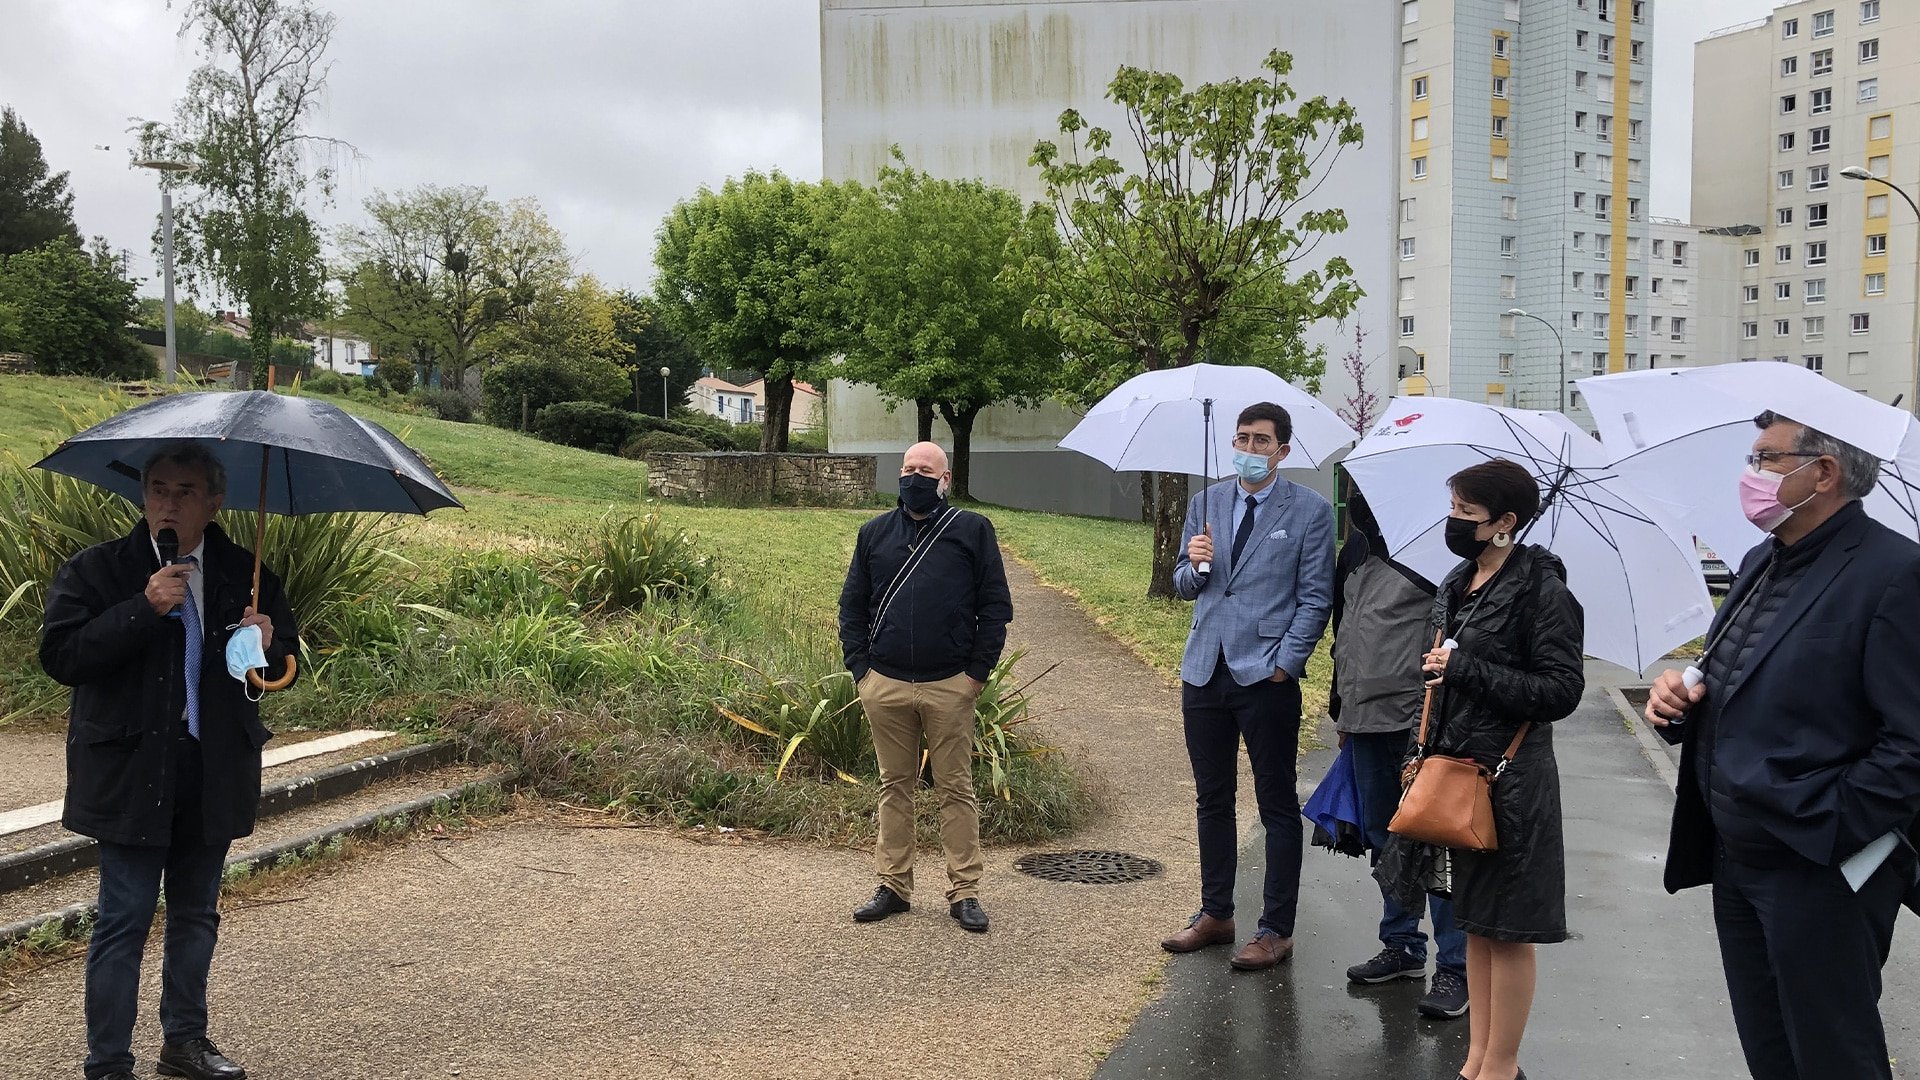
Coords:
1715,569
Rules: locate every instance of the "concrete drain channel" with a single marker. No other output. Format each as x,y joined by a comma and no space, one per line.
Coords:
1088,867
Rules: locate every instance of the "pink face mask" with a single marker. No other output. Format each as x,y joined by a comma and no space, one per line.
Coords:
1760,498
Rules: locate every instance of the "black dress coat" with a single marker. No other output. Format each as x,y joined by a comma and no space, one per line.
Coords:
127,668
1519,660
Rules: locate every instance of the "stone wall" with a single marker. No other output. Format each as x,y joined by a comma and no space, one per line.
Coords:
748,479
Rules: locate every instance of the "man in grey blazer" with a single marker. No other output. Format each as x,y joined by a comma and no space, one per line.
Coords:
1261,603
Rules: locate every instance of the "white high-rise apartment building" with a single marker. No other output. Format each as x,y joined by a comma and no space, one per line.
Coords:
1523,186
1818,282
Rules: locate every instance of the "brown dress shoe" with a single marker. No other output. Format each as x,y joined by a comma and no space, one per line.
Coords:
1203,931
1264,951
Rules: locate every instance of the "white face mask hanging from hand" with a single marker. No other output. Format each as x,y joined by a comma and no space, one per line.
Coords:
246,651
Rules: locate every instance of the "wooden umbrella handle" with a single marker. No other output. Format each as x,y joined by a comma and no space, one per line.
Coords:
280,683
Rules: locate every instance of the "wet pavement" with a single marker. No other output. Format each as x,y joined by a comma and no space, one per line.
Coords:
1637,992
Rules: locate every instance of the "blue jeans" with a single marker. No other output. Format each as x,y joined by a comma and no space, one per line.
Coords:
1376,771
130,884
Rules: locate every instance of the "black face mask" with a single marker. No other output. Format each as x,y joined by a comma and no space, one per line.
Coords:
1460,538
919,494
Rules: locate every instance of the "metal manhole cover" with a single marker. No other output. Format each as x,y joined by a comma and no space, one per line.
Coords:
1088,867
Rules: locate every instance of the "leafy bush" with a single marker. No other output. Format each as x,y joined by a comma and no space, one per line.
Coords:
820,715
665,441
633,562
588,425
47,518
396,373
445,403
543,382
329,382
327,563
710,434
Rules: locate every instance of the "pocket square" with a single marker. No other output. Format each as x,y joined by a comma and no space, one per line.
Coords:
1277,534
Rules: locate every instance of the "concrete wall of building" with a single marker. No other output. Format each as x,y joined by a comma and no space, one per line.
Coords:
1732,124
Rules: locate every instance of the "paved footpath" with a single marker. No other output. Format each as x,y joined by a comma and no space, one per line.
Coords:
1637,991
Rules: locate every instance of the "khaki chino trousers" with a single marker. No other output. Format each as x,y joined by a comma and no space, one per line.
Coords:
901,714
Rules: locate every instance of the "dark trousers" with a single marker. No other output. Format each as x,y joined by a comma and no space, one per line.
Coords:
130,885
1267,716
1377,759
1803,954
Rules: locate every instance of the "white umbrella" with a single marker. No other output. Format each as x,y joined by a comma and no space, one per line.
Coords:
1682,436
1181,420
1639,582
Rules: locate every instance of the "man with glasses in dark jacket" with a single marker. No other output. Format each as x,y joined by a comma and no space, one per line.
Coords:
923,617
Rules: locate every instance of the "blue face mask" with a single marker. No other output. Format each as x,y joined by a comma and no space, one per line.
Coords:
1252,468
245,652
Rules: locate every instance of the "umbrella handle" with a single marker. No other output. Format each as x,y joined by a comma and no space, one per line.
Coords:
281,683
259,541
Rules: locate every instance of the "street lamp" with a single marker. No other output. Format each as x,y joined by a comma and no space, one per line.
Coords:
664,372
1855,172
1520,313
164,167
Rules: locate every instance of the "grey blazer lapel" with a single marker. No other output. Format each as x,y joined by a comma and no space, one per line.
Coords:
1270,512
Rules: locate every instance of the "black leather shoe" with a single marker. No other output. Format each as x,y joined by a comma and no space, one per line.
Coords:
972,917
198,1059
116,1076
885,902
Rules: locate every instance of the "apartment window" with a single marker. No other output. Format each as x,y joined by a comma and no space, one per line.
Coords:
1599,368
1783,180
1606,10
1603,125
1869,11
1861,323
1579,241
1579,280
1822,62
1506,363
1789,28
1602,246
1603,206
1406,247
1783,253
1603,89
1880,164
1876,284
1816,327
1419,168
1820,101
1869,50
1788,103
1679,328
1420,88
1786,141
1410,52
1637,92
1633,287
1880,127
1876,243
1753,256
1510,207
1506,247
1783,290
1633,209
1579,160
1579,121
1406,326
1579,39
1869,90
1606,47
1500,167
1406,289
1419,129
1580,80
1817,215
1814,291
1876,206
1750,330
1499,127
1500,86
1636,169
1603,164
1500,46
1410,12
1506,326
1781,327
1815,363
1577,318
1856,363
1406,209
1749,294
1633,326
1602,322
1819,140
1602,285
1509,286
1783,216
1633,131
1817,253
1640,10
1816,177
1658,322
1579,200
1789,66
1822,24
1636,50
1659,248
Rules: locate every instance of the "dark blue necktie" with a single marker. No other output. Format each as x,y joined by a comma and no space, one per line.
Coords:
1245,530
191,624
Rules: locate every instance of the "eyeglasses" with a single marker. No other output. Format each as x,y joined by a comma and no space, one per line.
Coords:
1261,442
1762,457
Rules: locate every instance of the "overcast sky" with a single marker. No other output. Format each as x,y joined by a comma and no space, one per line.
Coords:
607,111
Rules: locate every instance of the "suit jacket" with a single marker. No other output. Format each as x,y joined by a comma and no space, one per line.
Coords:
1819,738
1267,611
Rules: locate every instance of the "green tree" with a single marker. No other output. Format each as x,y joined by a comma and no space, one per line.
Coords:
1203,252
937,302
69,310
747,275
654,344
35,205
192,327
242,129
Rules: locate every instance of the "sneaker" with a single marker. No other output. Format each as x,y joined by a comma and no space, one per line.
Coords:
1446,998
1391,964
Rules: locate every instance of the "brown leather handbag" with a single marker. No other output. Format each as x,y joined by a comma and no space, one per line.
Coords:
1448,801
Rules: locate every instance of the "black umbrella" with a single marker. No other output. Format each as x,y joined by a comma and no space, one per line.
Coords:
283,455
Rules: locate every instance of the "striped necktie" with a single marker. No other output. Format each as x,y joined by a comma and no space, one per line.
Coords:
195,644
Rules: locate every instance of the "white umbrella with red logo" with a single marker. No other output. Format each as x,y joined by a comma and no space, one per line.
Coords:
1637,578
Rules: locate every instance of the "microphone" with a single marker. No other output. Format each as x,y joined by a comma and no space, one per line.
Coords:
168,542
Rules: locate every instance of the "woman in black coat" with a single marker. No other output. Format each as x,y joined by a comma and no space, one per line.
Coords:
1518,633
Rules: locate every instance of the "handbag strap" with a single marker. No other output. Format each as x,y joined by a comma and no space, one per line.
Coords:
1426,711
1513,748
1426,708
